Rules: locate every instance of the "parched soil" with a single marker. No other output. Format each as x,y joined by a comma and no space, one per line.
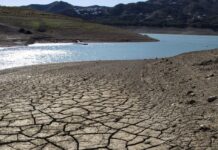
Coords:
157,104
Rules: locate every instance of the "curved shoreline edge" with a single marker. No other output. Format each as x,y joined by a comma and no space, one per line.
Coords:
26,42
97,61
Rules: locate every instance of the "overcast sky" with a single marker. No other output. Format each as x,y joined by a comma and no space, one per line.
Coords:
74,2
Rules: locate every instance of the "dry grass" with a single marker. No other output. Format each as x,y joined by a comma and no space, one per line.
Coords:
62,27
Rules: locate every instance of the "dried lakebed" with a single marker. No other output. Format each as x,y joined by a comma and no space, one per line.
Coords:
149,104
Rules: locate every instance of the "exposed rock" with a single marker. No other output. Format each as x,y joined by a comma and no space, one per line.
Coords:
210,75
212,99
204,128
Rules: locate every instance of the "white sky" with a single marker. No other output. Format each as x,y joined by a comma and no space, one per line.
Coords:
74,2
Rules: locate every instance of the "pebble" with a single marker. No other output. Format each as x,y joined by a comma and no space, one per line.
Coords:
190,93
212,99
209,76
204,128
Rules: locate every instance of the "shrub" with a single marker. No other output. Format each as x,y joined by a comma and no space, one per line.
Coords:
21,30
24,31
28,32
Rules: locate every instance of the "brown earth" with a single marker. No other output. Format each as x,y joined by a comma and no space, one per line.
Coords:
10,36
157,104
20,26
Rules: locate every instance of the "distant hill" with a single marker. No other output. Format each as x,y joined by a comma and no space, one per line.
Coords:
65,8
159,13
21,24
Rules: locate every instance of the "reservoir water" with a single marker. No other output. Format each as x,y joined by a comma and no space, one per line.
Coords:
169,45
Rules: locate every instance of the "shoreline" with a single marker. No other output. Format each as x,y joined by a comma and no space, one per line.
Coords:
99,61
170,30
22,40
27,43
102,103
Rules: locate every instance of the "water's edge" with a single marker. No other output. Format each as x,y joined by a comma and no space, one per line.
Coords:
43,53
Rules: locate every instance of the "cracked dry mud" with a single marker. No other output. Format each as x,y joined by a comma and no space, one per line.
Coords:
122,105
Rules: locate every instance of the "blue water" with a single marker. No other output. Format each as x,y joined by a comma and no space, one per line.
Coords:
169,45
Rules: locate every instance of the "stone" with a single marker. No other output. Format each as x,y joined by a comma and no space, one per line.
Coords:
212,99
210,75
204,128
190,93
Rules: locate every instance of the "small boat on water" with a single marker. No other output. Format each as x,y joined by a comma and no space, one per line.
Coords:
81,43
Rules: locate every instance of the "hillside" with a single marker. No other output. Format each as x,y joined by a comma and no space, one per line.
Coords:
64,8
19,26
159,13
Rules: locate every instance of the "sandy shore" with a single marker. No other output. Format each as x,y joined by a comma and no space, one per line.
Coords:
150,104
